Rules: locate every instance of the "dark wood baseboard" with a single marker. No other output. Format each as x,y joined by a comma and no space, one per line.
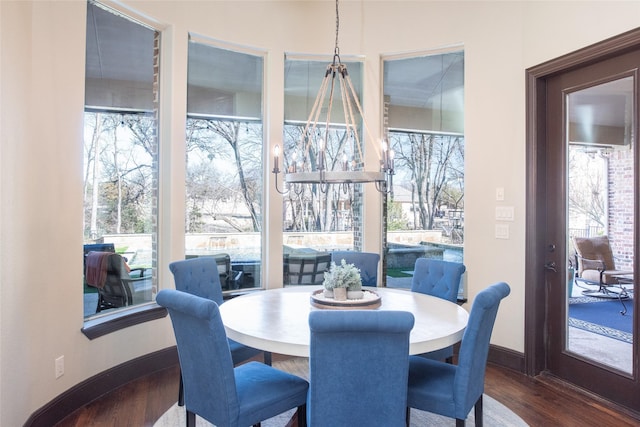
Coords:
100,384
506,358
109,380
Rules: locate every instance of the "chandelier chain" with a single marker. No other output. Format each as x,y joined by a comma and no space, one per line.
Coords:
336,51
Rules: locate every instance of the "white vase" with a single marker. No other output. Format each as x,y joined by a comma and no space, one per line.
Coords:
355,294
340,294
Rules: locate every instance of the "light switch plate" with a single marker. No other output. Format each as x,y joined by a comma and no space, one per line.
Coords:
504,213
502,231
500,194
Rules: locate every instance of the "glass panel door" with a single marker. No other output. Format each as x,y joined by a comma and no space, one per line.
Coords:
600,227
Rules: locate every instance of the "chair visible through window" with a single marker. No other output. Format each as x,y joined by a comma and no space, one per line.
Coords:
367,262
307,268
117,285
596,266
229,278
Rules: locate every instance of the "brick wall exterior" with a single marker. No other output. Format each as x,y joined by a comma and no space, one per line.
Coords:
621,207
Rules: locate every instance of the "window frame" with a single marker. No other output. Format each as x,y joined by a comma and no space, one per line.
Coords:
200,39
102,324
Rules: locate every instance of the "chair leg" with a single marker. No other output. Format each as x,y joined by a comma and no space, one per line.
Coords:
459,422
181,392
267,358
191,419
478,412
408,416
302,416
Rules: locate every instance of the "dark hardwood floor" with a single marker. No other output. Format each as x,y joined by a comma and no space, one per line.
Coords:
538,401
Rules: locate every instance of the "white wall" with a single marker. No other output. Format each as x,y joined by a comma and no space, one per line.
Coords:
41,101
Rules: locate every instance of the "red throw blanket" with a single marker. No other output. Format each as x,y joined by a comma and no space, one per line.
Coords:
96,268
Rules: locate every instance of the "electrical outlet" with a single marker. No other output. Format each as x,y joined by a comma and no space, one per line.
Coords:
59,366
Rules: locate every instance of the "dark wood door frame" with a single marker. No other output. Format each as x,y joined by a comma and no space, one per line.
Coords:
536,293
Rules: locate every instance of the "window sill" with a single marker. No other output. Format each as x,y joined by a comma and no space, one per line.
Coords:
95,328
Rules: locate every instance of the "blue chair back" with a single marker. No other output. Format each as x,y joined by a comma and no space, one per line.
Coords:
198,276
205,359
474,349
438,278
367,262
358,368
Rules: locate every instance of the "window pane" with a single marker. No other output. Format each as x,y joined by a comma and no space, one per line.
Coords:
313,218
424,98
224,162
120,162
319,218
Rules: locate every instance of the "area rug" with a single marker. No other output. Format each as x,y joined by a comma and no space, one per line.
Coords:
602,316
495,414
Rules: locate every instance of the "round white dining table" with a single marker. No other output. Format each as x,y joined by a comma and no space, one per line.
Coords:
276,320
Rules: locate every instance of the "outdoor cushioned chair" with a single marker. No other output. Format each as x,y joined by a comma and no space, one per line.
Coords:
367,262
229,278
358,367
117,285
199,276
452,390
213,388
306,268
440,279
596,266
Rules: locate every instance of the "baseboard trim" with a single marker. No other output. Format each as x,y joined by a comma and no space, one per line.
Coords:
506,358
104,382
109,380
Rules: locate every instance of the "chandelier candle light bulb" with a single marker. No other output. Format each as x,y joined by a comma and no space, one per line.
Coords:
321,154
276,161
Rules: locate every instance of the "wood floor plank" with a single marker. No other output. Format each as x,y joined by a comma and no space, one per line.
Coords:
537,401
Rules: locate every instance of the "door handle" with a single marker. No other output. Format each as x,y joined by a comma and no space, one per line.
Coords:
551,266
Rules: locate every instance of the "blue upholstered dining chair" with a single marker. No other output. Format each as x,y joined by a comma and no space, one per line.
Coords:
213,388
358,364
199,276
367,262
440,279
452,390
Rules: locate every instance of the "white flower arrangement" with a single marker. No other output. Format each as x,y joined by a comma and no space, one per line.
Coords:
343,276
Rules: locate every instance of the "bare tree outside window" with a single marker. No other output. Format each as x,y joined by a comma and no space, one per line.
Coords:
587,190
432,165
424,123
311,208
224,182
118,174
